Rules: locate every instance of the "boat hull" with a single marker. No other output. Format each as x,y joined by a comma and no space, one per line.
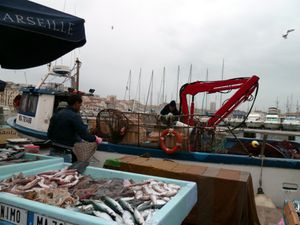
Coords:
272,126
254,124
27,131
287,126
277,173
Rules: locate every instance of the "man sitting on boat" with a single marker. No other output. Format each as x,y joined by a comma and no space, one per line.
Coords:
169,113
66,128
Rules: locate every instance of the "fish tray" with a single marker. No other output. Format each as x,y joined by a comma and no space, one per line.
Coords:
19,211
39,162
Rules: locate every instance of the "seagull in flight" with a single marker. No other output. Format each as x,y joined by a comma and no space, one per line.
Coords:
287,32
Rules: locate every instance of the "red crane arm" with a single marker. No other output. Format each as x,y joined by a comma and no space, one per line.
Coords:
245,86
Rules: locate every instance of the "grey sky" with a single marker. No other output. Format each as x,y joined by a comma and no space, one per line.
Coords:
157,33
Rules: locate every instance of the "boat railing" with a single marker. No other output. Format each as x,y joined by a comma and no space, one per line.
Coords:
147,129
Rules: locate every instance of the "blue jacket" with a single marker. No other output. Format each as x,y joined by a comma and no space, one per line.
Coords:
66,128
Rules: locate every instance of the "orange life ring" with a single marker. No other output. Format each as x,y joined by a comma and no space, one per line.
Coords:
163,144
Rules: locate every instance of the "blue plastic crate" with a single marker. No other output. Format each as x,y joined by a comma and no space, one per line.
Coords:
35,213
42,160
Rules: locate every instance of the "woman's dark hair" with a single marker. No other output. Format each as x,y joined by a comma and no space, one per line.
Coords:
73,99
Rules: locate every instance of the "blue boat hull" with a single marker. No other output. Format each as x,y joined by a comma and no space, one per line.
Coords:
188,156
201,156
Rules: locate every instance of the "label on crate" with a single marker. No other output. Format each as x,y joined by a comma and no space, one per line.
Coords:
45,220
13,214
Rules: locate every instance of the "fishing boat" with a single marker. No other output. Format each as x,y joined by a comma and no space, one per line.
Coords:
190,140
38,103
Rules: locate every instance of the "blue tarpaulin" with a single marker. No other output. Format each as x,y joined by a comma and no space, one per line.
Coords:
33,34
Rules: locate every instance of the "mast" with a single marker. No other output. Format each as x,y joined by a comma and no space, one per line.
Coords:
140,75
149,88
163,88
78,64
177,94
206,96
151,94
138,91
222,77
128,86
277,103
189,81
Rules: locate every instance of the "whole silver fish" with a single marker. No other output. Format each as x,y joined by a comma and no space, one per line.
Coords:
128,219
113,204
104,208
125,205
138,217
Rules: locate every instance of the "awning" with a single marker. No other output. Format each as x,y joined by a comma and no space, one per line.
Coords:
32,34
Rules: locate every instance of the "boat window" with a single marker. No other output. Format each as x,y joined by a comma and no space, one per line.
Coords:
29,104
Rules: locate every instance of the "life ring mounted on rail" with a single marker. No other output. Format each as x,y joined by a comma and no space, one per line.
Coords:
163,145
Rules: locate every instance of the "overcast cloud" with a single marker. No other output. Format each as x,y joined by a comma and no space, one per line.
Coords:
157,33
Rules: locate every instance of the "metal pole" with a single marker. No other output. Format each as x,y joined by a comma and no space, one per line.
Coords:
163,87
222,79
177,94
77,73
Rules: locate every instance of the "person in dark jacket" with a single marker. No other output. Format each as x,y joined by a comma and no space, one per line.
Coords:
169,112
66,128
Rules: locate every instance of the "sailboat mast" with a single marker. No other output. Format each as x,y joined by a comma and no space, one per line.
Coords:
128,84
177,94
222,79
206,93
139,85
148,94
189,81
163,88
151,94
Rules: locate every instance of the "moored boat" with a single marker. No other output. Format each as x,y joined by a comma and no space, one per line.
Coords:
255,120
272,122
291,123
143,133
